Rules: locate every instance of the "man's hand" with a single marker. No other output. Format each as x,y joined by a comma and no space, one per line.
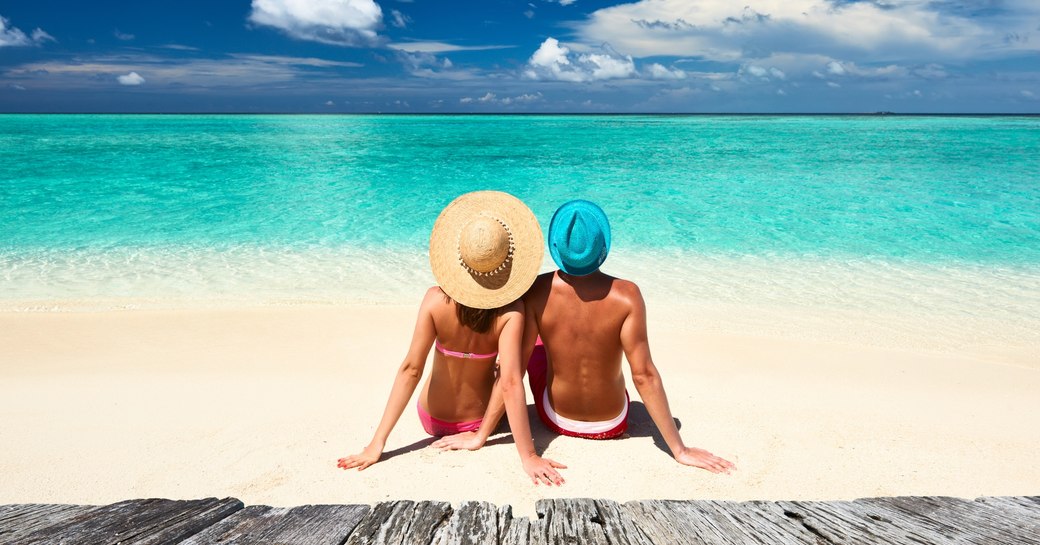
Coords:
703,459
467,440
366,458
543,470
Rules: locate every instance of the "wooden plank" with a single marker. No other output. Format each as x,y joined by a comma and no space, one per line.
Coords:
505,518
901,520
517,532
400,522
572,521
662,521
304,525
473,523
538,528
715,523
862,522
17,522
137,522
1027,508
618,525
428,517
753,522
970,521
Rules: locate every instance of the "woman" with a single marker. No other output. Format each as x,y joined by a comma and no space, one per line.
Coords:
485,251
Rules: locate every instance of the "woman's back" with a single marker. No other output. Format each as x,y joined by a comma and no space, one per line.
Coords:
464,362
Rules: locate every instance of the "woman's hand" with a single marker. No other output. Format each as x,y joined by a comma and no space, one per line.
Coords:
543,470
467,440
366,458
703,459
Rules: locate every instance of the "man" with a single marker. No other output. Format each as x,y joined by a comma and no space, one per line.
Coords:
587,320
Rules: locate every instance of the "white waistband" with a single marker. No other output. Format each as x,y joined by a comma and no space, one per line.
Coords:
577,426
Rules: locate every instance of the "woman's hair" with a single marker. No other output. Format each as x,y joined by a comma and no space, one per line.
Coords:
477,319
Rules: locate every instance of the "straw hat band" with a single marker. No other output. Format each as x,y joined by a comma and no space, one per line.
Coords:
485,246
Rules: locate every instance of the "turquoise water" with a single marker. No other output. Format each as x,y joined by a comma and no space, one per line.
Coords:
924,231
927,189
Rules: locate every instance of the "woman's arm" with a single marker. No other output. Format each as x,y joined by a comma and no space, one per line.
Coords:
407,378
511,383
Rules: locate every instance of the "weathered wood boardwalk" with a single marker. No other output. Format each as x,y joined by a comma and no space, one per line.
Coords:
902,520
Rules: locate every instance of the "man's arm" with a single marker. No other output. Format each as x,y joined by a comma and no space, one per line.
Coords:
651,389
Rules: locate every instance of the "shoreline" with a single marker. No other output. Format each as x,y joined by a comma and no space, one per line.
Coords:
258,403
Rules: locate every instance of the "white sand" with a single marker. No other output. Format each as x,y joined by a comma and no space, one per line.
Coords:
259,403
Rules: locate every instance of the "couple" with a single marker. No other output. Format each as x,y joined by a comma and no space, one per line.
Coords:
485,252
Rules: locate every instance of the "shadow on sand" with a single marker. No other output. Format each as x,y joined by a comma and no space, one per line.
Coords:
639,425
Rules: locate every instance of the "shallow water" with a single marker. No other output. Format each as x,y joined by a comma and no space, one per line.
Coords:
936,218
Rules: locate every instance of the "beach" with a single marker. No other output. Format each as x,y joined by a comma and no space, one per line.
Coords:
215,305
259,403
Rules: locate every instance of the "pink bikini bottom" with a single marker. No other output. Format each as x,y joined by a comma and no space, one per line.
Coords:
438,427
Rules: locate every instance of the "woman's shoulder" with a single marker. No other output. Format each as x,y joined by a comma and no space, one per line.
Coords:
434,298
511,308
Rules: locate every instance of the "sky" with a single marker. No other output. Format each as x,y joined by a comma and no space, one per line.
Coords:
515,56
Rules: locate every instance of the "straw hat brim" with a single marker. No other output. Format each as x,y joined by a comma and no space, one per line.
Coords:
504,287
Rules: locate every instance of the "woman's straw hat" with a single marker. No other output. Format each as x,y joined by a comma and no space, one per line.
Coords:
486,249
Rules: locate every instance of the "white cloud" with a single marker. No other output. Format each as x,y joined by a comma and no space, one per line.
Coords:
297,61
399,19
910,31
931,71
337,22
1028,94
133,78
757,71
658,71
492,98
190,73
427,65
833,85
563,2
553,61
329,103
14,37
39,36
851,69
440,47
122,35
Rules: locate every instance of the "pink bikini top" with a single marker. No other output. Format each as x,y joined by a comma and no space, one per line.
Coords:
466,355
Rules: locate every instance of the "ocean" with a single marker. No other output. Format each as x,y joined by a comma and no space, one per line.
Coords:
925,227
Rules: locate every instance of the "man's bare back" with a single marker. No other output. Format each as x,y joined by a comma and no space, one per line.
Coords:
580,320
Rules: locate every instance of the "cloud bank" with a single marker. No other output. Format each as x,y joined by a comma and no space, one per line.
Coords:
858,30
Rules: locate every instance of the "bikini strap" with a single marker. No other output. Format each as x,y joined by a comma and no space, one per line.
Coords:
464,355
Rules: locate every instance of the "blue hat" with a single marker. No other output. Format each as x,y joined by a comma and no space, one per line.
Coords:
579,237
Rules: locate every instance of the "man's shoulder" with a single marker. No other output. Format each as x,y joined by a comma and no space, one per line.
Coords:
625,287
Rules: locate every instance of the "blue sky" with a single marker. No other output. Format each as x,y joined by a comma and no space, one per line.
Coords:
520,56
